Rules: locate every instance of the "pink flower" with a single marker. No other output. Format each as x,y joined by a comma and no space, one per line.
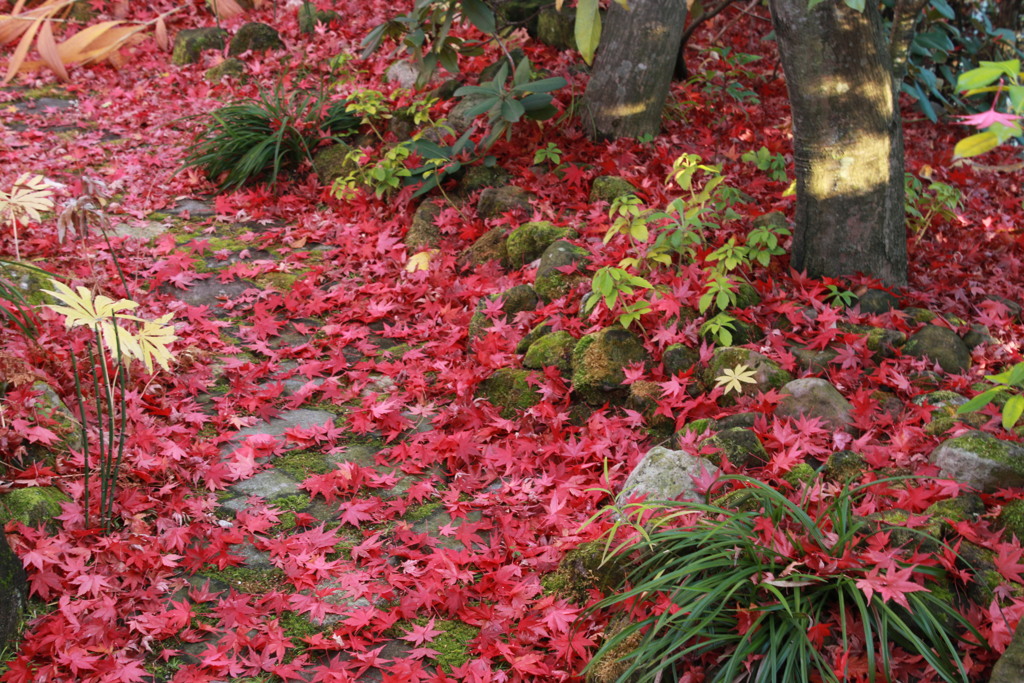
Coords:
987,118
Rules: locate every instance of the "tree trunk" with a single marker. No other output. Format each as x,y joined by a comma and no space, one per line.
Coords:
633,69
847,141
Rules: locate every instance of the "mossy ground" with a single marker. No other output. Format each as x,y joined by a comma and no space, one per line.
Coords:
301,464
247,580
452,644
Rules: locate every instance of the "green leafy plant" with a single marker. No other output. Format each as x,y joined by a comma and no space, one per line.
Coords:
628,218
117,338
608,284
383,176
261,137
1008,382
762,587
842,297
924,205
720,327
506,104
550,154
773,164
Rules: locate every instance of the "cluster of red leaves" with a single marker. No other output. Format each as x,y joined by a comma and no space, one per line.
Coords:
516,490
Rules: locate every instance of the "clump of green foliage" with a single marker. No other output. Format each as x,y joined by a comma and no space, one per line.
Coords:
741,582
261,137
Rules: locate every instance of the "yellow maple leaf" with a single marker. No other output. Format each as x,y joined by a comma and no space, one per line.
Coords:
82,309
733,378
420,261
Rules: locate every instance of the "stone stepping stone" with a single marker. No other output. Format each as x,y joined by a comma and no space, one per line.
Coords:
303,418
267,485
209,292
196,208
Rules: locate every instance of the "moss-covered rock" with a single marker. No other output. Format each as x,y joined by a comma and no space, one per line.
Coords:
739,445
31,506
772,219
679,358
515,300
747,296
1010,667
645,398
256,37
190,44
599,361
582,569
942,345
551,283
13,595
528,242
767,374
509,390
495,201
1011,518
881,342
521,12
229,68
608,188
845,466
814,360
981,460
533,335
310,16
698,427
556,28
801,473
331,163
479,177
553,349
491,246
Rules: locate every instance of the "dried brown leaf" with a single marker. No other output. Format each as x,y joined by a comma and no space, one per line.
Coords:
19,53
48,51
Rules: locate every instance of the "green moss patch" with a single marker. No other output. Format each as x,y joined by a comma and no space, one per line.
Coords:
300,464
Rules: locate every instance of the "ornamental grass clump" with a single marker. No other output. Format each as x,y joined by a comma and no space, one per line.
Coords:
764,589
259,138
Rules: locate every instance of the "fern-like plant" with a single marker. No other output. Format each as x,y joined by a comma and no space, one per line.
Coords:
259,138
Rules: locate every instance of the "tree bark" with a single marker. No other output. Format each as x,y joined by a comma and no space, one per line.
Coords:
633,69
847,141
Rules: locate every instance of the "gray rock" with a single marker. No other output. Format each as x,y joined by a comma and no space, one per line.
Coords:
143,230
459,117
403,74
495,201
815,360
664,474
13,595
303,418
599,361
772,219
267,485
875,301
256,37
981,460
190,44
528,242
550,282
745,420
815,397
941,345
210,292
1013,306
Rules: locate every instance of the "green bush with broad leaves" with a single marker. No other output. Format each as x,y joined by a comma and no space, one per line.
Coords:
260,138
680,235
765,587
1008,389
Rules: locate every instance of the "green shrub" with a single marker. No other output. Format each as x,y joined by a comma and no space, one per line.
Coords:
258,138
764,589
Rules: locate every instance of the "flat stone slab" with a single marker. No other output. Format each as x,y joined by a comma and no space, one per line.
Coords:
210,292
267,485
303,418
194,207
